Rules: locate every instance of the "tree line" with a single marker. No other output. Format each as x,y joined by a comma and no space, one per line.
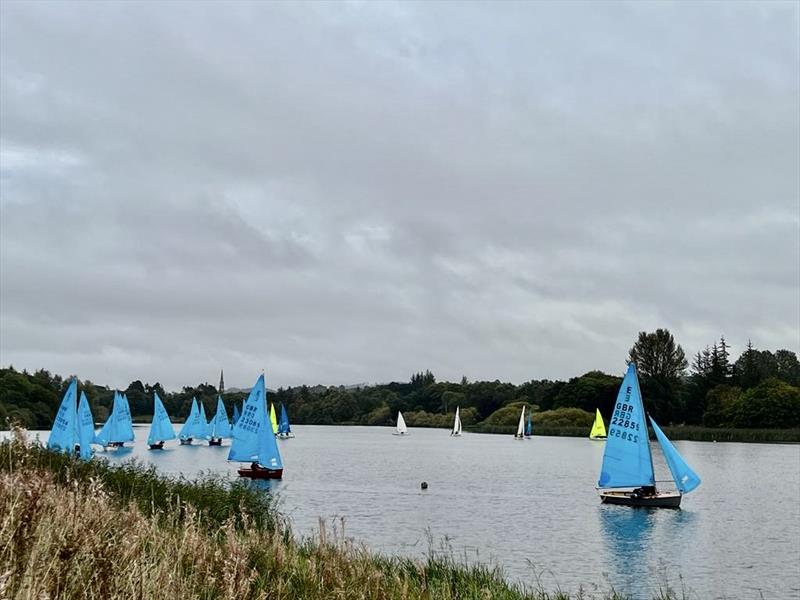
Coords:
757,390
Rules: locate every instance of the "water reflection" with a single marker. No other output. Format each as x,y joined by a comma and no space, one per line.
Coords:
627,533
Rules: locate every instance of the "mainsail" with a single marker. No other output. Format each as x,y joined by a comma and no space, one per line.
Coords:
521,425
236,413
598,428
627,461
85,427
190,426
161,427
253,438
401,423
457,423
529,425
220,427
123,423
685,478
203,427
273,419
63,435
283,426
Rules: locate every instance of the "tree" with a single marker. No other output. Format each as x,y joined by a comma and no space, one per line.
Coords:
788,366
657,355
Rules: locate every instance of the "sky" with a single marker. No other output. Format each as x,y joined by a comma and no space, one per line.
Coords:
352,192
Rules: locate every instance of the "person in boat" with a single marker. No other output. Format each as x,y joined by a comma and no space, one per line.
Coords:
645,491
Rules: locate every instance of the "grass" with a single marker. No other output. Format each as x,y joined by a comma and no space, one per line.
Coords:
70,529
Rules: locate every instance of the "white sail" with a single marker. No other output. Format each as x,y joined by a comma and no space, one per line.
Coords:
401,424
457,424
521,426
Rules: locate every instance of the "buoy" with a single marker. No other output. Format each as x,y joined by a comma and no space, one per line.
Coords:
424,485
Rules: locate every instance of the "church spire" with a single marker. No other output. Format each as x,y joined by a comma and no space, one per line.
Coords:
221,383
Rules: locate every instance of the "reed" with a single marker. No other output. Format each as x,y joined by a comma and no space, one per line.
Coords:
72,532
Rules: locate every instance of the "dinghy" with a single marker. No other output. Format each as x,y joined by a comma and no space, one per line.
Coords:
64,432
273,419
456,424
520,435
598,432
253,440
529,426
85,428
627,476
118,428
284,429
161,428
203,426
191,426
401,428
219,427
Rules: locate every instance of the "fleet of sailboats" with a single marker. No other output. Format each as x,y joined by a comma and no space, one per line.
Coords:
627,476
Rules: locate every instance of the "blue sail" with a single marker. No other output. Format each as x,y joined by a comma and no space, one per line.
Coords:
283,425
685,478
529,426
253,439
235,413
220,427
123,424
85,427
190,423
103,436
63,434
203,427
627,461
161,427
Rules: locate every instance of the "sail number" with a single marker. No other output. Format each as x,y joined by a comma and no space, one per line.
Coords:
622,420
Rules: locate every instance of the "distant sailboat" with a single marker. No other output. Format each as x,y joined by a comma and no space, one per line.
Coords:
64,432
599,428
203,426
118,428
456,424
529,425
253,440
161,428
520,435
627,476
273,419
85,428
401,428
191,427
219,427
284,428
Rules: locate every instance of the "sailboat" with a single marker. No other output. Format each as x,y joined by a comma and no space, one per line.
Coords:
64,432
191,427
627,476
236,414
401,425
456,424
599,428
161,427
284,429
203,426
219,425
273,419
253,440
521,426
529,425
85,425
118,428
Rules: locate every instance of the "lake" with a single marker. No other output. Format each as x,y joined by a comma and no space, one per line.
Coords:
531,507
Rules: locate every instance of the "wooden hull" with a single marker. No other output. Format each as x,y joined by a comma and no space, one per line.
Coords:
261,473
158,446
215,442
186,441
626,498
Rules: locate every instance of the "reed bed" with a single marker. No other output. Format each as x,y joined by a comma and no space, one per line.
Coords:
73,530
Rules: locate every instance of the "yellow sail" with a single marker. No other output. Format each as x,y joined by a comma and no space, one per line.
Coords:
274,420
599,428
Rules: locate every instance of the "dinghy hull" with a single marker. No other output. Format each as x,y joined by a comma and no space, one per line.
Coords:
186,441
158,446
628,498
215,442
116,444
261,473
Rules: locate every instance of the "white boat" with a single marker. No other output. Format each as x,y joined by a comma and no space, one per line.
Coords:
401,425
520,435
456,424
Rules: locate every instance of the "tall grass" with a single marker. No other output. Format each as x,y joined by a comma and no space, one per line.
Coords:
71,530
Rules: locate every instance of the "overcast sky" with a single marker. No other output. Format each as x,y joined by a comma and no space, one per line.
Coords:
342,193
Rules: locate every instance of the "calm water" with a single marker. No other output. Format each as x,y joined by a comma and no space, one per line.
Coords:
531,507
